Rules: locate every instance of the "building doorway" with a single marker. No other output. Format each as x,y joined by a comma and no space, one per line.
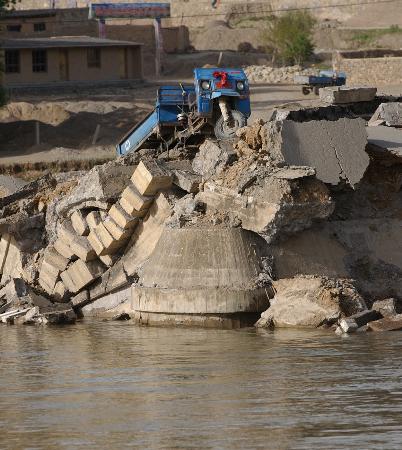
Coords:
63,64
123,64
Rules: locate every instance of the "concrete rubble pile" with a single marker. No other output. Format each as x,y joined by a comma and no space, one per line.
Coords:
296,222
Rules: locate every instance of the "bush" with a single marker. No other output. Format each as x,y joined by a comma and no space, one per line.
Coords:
289,37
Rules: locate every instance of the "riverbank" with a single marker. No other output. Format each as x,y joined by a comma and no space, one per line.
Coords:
292,221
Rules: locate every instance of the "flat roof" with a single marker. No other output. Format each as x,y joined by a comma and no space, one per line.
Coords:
63,42
33,13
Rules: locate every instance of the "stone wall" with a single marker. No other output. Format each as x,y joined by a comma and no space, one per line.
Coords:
377,71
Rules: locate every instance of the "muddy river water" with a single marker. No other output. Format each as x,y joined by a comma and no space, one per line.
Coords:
113,385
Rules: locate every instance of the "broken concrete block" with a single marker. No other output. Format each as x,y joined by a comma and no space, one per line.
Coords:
123,219
213,157
66,232
82,248
4,246
68,281
100,187
14,289
108,260
385,142
48,276
79,223
352,323
389,113
54,258
58,317
149,178
82,273
336,149
129,208
344,94
116,230
63,249
60,292
348,325
81,299
138,201
13,267
110,245
386,324
388,307
94,218
95,242
188,181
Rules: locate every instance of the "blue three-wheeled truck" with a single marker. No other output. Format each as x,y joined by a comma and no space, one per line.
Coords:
218,103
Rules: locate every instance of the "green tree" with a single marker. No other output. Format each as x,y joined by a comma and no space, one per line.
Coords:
289,37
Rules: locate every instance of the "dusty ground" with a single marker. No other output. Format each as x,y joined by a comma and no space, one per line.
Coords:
68,123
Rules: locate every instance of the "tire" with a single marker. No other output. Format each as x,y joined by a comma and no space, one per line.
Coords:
305,90
223,131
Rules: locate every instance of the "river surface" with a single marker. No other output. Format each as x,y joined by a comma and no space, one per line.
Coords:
113,385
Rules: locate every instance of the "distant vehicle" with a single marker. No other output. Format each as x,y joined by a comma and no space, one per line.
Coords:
217,103
312,83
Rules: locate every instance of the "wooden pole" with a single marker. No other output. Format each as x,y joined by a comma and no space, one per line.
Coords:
37,133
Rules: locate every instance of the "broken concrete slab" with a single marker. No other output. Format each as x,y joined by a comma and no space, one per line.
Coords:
79,223
109,305
82,274
146,235
389,113
294,172
347,94
352,323
100,187
63,249
129,208
150,177
391,323
94,218
110,245
54,258
385,142
80,299
116,230
388,307
67,280
122,218
48,276
4,246
263,209
336,149
59,293
139,202
213,157
308,302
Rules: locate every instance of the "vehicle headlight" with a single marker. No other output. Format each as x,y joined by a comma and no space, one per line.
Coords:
205,85
240,85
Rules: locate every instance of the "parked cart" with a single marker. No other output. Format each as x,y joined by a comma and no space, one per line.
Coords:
312,83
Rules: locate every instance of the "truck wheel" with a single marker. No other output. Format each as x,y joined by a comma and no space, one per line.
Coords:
305,90
227,131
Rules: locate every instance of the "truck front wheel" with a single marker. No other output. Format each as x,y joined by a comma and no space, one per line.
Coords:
227,130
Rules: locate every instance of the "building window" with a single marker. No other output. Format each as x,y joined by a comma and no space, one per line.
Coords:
14,28
94,57
41,26
39,61
12,61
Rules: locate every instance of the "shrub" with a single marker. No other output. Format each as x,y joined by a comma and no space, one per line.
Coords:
289,37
